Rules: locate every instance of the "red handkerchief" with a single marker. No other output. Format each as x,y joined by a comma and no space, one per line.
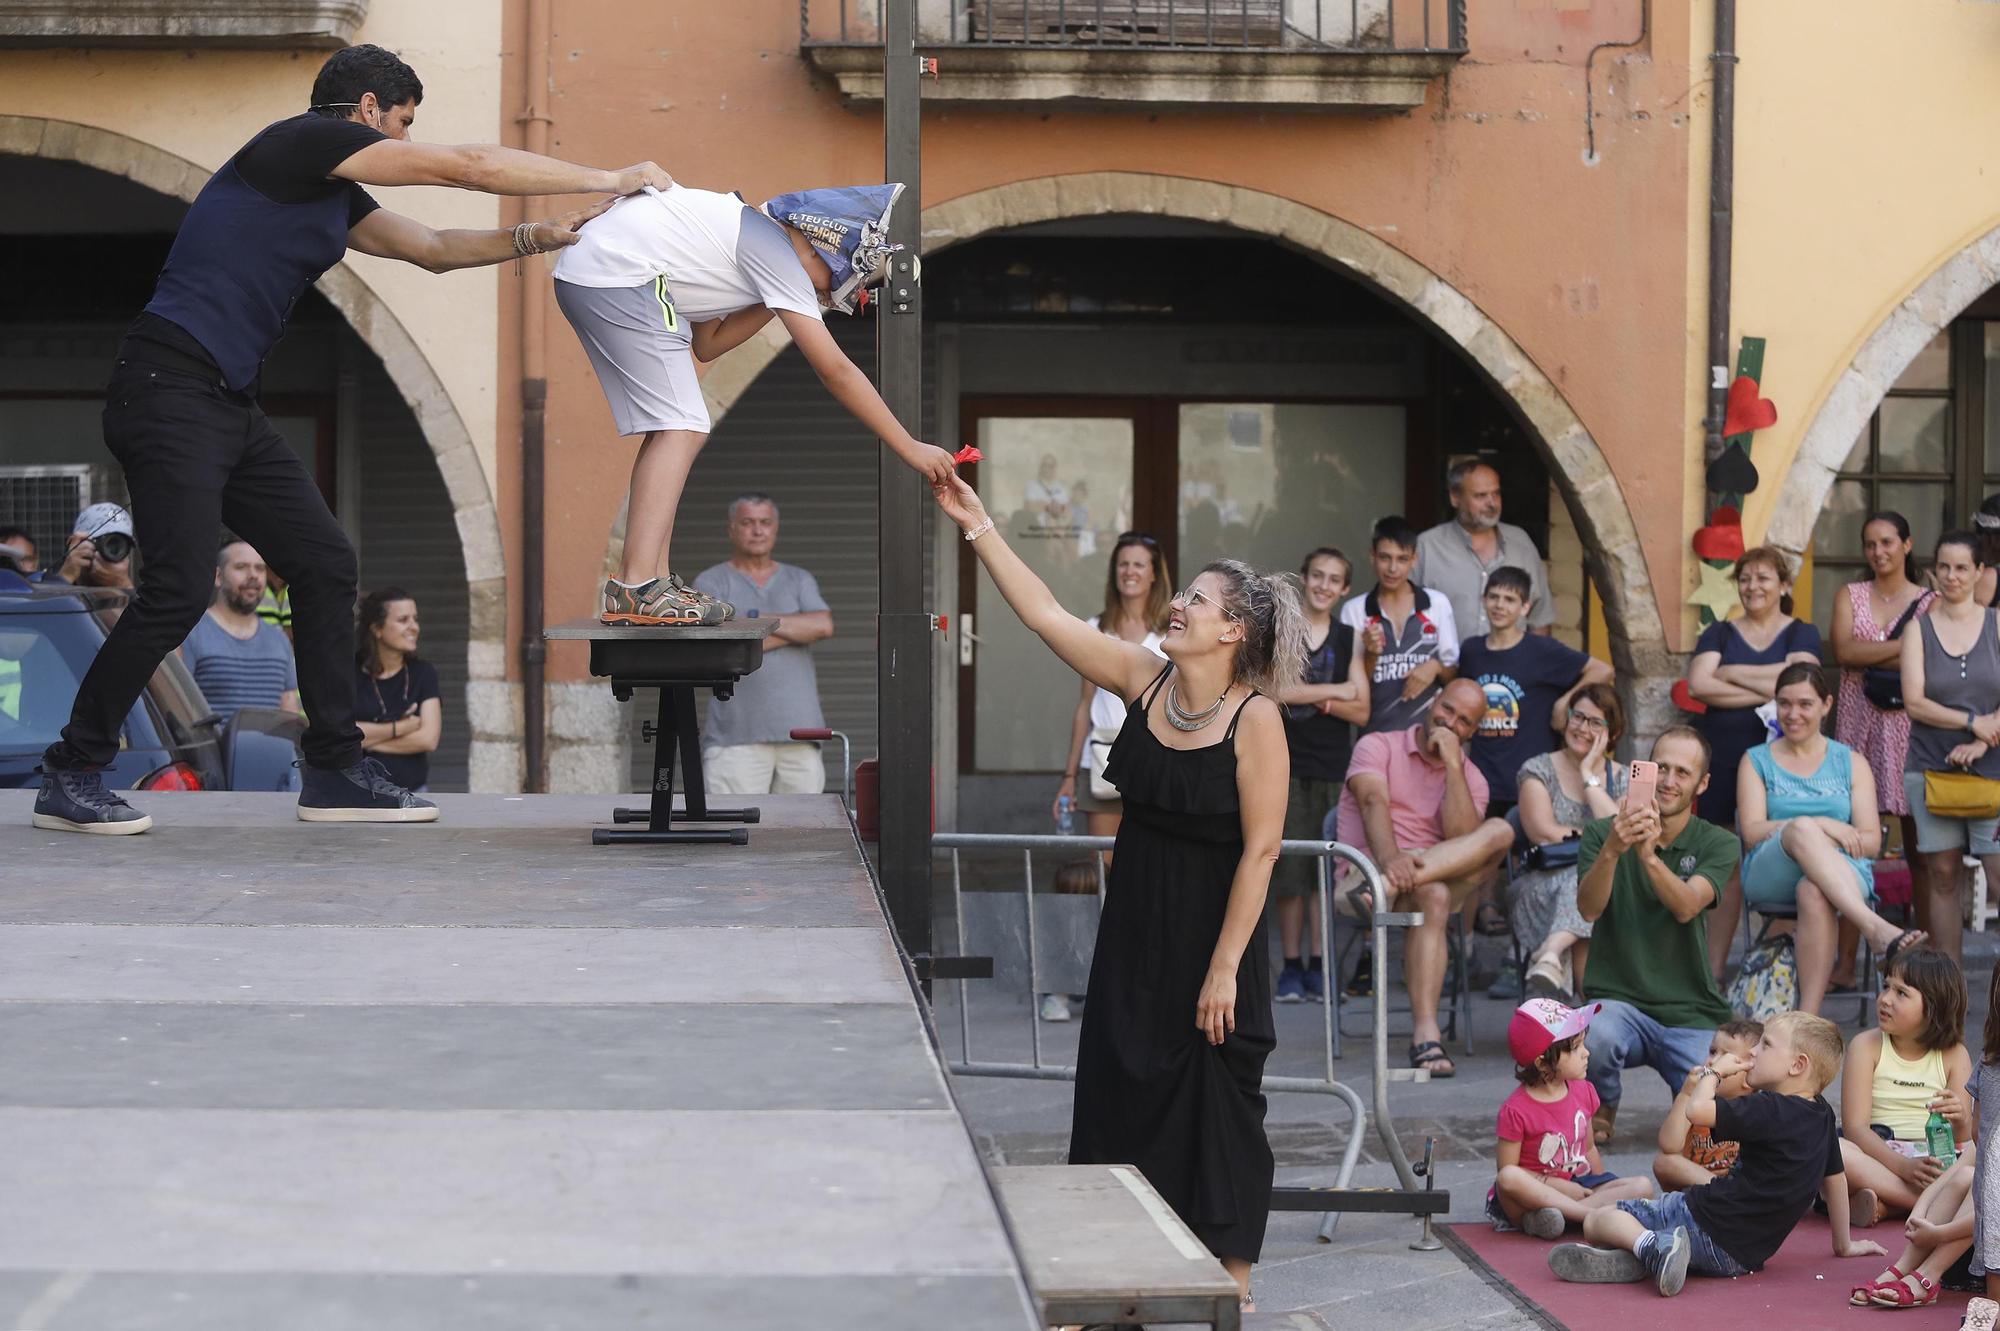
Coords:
970,453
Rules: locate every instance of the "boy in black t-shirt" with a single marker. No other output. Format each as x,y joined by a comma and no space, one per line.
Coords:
1790,1150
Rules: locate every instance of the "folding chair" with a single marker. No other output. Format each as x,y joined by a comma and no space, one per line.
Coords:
1868,983
1455,1002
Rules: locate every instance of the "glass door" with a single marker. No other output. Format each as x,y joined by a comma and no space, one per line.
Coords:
1057,478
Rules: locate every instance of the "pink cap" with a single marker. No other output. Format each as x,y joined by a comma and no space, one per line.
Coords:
1540,1022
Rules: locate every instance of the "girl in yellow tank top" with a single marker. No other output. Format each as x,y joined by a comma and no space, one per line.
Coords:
1895,1075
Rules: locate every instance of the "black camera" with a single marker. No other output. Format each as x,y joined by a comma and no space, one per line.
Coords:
114,547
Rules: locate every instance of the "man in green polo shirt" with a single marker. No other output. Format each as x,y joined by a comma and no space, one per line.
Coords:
1648,877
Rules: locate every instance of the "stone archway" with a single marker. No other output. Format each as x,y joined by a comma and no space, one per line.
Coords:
473,509
1844,411
1616,560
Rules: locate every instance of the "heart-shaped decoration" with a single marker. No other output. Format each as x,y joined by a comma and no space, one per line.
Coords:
1747,411
1725,515
1686,701
1719,542
1732,472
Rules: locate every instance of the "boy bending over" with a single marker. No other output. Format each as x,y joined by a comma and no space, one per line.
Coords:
668,277
1790,1149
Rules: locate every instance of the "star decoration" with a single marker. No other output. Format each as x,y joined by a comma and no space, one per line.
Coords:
1717,593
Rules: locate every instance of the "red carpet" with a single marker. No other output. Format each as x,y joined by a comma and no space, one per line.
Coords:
1804,1286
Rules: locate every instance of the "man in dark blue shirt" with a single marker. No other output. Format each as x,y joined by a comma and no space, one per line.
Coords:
181,413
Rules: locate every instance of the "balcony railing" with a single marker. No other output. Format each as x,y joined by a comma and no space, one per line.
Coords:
181,23
1374,26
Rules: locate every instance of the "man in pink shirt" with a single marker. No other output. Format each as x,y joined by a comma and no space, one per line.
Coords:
1416,806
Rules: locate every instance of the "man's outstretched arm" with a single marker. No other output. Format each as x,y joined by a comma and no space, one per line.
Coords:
490,169
390,235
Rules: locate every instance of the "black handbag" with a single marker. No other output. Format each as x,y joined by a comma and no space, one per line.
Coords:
1882,685
1556,855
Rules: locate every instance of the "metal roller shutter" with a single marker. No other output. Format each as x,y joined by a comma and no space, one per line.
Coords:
788,438
407,538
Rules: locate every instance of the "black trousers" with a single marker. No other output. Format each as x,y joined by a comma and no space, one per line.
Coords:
197,456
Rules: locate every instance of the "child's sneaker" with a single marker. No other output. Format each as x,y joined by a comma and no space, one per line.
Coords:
1291,984
1670,1262
688,589
655,602
1582,1264
1544,1223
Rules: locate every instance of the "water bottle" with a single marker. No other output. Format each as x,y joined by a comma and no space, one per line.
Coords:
1938,1139
1065,816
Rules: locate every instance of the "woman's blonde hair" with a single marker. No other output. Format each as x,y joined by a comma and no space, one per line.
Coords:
1272,655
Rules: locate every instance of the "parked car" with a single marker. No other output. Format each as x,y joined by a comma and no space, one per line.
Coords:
172,740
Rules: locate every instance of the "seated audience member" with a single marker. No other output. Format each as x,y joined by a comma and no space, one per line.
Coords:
1648,876
238,660
1550,1175
1939,1233
396,698
1418,807
1913,1062
1560,793
1811,832
1690,1156
1789,1150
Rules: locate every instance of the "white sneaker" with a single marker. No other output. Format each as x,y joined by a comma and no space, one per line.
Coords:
1055,1007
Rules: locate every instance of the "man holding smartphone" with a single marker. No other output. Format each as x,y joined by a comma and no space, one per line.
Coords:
1647,877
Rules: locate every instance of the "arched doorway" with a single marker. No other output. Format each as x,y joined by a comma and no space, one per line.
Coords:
1476,360
347,385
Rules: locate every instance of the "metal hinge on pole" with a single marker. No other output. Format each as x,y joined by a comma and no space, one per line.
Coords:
905,275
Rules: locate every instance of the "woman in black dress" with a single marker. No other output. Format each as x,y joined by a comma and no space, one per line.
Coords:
1170,1060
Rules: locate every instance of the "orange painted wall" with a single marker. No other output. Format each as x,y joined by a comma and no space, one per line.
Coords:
1584,265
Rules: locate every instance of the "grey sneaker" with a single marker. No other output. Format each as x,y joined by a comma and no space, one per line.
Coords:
686,589
1544,1223
1672,1270
78,802
1581,1264
654,603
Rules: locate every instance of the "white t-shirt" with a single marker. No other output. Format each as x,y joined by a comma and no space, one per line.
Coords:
714,264
1107,709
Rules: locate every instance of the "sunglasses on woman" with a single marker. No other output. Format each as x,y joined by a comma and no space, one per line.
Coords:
1187,596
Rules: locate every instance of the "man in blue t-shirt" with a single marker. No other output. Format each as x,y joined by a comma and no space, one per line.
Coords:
239,660
1529,680
182,418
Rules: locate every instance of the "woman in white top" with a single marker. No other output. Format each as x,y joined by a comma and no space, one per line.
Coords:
1138,596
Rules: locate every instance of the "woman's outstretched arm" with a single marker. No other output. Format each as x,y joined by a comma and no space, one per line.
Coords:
1112,663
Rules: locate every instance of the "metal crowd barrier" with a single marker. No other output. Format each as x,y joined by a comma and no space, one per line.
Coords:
1413,1197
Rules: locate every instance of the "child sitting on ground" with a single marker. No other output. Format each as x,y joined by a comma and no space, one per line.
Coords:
1894,1075
1939,1232
1690,1156
1732,1226
1549,1171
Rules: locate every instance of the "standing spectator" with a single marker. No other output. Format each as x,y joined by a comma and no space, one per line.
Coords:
1456,557
238,659
1561,792
1138,601
1734,672
1528,679
1951,689
397,702
1321,712
1648,878
17,543
747,748
1986,525
1409,631
1862,640
1418,807
1811,832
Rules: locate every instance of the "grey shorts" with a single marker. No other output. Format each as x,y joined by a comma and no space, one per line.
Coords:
642,351
1979,835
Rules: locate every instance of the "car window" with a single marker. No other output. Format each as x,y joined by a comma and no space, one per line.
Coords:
44,652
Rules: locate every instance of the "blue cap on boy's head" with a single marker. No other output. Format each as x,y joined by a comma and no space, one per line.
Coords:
849,226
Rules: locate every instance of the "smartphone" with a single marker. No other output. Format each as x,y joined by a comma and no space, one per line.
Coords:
1642,783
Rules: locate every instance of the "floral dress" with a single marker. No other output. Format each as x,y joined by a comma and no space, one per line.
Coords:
1541,901
1883,738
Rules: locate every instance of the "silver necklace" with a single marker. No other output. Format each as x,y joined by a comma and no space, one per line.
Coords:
1180,718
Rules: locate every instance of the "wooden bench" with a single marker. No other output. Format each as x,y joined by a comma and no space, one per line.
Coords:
1130,22
1099,1245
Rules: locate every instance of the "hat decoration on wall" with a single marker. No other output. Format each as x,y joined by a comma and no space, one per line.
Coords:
1731,476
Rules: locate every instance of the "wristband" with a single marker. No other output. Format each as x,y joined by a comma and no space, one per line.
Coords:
980,530
1971,718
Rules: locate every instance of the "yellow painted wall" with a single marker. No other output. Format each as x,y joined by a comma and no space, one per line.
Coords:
1867,155
203,105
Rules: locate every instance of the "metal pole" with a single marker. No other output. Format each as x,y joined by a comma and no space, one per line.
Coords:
1721,210
903,632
